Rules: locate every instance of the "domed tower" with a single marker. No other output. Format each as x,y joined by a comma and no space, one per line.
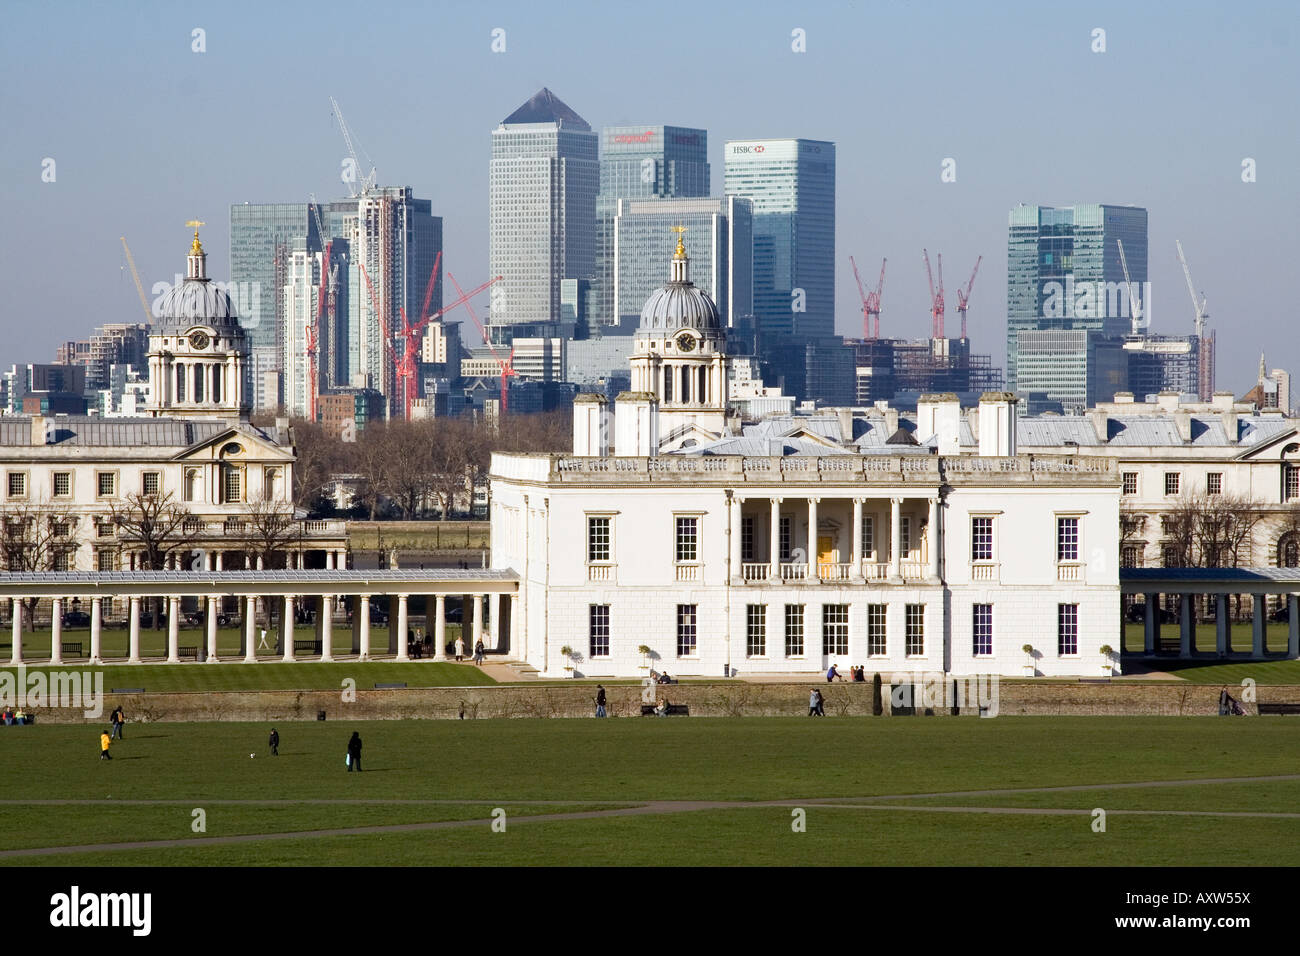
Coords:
198,350
679,355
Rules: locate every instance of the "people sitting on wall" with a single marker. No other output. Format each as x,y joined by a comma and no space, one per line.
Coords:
661,708
860,673
664,678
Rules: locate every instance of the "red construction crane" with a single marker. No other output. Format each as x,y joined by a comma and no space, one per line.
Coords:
936,299
507,365
963,298
870,301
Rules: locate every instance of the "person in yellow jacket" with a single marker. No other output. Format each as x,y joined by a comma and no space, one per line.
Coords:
104,741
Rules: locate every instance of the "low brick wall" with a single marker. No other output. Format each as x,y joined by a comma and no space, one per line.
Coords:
733,699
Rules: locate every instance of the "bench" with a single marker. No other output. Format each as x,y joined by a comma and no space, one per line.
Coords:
390,686
72,649
1278,707
190,651
307,645
128,690
674,710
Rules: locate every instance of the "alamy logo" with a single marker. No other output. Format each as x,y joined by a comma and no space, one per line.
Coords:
932,689
74,908
1096,300
246,297
40,689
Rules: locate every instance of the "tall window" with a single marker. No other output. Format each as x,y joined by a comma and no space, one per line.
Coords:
876,642
756,630
1288,552
915,630
180,383
869,536
191,483
17,484
62,484
686,614
270,477
688,539
1067,539
62,560
784,535
1171,482
1171,557
982,630
598,539
230,490
905,536
1067,629
794,630
1292,482
199,371
107,483
981,539
1130,482
149,484
835,629
1131,557
747,538
105,559
1214,483
598,630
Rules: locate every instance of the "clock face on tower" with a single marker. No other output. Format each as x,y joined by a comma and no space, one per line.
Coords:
686,342
199,340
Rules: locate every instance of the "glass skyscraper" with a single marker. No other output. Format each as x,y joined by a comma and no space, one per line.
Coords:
641,162
544,178
1064,275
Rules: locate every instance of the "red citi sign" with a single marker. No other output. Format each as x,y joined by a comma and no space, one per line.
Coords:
629,138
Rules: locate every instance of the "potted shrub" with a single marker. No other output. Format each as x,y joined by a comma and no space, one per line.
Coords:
567,651
644,651
1029,662
1108,658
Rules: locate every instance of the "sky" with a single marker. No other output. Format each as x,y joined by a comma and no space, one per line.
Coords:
145,133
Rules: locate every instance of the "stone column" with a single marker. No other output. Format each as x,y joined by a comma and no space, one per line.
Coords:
286,628
402,628
173,629
1151,623
1293,626
494,622
364,617
1258,621
1222,626
393,642
219,563
260,562
440,628
213,604
207,560
855,572
812,538
1186,626
478,622
932,539
96,630
56,631
326,619
737,569
895,539
329,560
302,560
250,629
774,540
17,633
133,622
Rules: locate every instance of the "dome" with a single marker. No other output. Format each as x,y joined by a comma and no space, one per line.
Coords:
679,304
196,302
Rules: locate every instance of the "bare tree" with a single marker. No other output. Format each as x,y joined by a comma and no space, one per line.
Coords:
157,527
319,455
37,536
270,527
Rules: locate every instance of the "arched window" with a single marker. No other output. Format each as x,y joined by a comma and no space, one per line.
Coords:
191,483
216,383
1288,551
199,374
668,383
180,381
704,385
686,383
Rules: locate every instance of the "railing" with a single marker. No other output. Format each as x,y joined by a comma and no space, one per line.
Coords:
874,571
688,573
1069,572
600,572
984,572
915,570
750,571
794,571
834,572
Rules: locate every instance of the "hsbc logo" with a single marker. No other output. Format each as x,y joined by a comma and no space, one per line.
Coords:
748,149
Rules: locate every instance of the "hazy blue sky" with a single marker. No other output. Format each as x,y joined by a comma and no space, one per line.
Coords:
147,134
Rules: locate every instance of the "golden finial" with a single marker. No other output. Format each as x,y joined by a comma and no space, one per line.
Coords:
197,248
681,245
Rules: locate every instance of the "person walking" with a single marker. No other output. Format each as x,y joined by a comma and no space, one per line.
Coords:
831,673
118,719
812,703
460,648
274,742
354,753
478,653
600,701
104,742
821,704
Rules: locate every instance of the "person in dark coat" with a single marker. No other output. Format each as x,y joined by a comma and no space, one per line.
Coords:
354,752
274,742
600,701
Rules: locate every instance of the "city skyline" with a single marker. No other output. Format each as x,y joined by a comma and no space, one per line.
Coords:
119,171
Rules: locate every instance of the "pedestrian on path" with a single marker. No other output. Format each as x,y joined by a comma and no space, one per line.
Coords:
274,742
118,719
104,742
354,753
600,701
460,648
812,703
478,653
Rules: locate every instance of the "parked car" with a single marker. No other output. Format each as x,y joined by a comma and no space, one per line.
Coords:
76,619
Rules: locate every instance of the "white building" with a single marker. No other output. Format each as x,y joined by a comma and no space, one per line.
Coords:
789,550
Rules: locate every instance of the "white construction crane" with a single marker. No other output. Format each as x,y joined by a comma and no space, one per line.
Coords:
1202,312
367,183
1134,309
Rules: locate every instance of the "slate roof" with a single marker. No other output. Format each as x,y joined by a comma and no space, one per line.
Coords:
80,431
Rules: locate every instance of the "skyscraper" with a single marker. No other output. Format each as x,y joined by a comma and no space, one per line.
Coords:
641,162
1064,275
544,178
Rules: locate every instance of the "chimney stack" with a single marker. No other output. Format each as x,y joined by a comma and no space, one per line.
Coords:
939,415
636,424
997,423
591,425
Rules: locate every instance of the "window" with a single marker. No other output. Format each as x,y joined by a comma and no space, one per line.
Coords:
981,539
230,485
876,645
61,529
687,540
106,483
1171,557
62,560
1130,482
794,630
1292,477
150,484
915,621
62,484
756,630
982,630
1131,557
686,614
272,475
17,484
869,536
105,559
905,536
1067,539
747,538
784,536
835,629
598,539
191,483
598,630
1214,483
104,528
1171,482
1067,629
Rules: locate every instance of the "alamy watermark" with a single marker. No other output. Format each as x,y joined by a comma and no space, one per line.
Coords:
77,689
1095,300
932,689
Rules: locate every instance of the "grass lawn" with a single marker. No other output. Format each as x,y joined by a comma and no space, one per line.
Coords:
277,675
1240,636
1231,673
590,764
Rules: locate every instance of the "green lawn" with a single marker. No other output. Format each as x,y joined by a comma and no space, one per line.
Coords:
589,764
1232,672
1240,636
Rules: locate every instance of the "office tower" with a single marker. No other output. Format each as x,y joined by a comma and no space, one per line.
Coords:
641,162
1064,275
542,225
302,292
719,239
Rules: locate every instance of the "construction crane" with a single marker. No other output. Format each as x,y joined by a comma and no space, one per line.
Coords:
1134,308
368,183
870,301
507,364
1205,355
144,301
936,298
963,298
